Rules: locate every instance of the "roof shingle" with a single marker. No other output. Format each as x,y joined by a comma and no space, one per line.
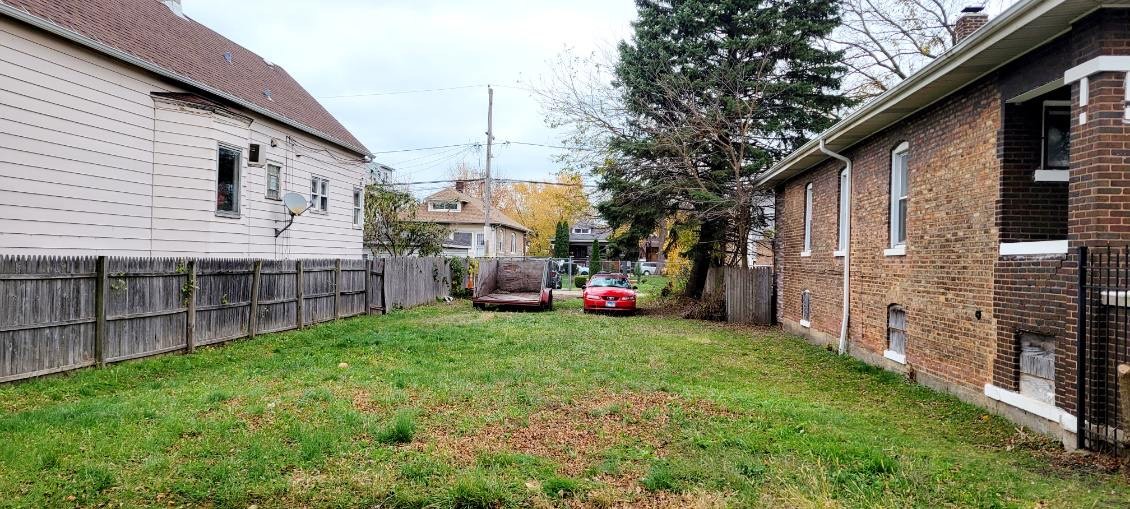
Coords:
150,31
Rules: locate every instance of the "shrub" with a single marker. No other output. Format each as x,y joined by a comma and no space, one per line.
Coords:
579,281
399,431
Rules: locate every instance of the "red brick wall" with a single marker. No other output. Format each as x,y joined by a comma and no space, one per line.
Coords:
946,275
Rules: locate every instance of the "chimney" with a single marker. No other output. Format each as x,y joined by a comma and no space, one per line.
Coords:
972,19
460,185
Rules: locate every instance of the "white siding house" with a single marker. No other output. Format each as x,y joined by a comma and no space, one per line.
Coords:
105,150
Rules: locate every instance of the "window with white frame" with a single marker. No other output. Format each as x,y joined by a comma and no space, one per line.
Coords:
896,330
513,241
808,218
462,238
320,194
900,192
444,206
582,231
227,181
845,201
805,307
358,215
274,181
1056,146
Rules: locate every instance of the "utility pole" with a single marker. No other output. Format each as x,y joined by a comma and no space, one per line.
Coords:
488,250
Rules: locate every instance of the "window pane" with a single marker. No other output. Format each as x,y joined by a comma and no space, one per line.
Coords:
900,237
904,173
325,203
356,198
313,187
325,188
1057,139
227,180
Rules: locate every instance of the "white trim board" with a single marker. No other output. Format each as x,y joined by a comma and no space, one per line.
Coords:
1052,176
1105,63
1043,247
895,251
805,323
1032,406
895,356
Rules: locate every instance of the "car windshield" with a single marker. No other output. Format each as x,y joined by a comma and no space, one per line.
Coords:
608,281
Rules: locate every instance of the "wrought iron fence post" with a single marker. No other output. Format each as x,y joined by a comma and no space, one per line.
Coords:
1081,353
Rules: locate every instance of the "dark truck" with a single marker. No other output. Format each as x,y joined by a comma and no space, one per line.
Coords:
513,283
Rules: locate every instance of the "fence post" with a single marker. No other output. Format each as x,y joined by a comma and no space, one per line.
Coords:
299,300
337,288
253,319
1081,352
190,307
368,287
100,288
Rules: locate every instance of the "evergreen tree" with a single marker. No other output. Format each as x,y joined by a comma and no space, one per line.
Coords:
595,259
717,90
561,240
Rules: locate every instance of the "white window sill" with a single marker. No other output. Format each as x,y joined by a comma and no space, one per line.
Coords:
1030,405
806,253
895,356
1052,176
805,323
1034,248
895,251
838,254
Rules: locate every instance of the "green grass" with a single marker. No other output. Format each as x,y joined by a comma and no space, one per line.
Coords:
445,406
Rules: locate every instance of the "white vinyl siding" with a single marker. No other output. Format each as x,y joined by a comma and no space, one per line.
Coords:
900,193
91,163
808,218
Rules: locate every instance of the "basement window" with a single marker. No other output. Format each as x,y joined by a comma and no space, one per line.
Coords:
806,308
227,181
1037,367
896,334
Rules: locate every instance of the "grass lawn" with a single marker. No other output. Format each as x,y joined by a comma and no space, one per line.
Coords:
445,406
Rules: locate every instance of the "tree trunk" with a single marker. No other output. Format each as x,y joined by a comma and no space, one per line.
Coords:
703,257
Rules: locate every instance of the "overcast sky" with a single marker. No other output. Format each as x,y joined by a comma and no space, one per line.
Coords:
344,47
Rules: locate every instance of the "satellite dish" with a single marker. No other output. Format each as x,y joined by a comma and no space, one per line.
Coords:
295,203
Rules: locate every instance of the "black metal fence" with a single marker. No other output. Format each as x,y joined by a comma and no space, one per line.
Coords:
1103,346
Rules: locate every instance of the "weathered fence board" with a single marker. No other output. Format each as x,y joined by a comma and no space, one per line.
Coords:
64,313
411,282
748,293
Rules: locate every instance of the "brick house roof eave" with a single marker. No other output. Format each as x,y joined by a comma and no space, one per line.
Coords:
948,73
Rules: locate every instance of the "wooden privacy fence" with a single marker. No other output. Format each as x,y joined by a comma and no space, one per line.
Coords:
64,313
748,293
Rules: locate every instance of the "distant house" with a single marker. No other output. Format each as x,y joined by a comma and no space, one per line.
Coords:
465,215
127,128
583,233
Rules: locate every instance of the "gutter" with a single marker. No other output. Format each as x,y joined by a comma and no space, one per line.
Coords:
847,248
76,37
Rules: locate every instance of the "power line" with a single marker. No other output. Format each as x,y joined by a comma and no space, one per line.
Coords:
427,148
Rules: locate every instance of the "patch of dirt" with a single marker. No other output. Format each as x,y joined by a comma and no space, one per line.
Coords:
1058,459
576,433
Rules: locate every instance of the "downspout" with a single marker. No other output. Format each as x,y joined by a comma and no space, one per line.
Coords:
847,248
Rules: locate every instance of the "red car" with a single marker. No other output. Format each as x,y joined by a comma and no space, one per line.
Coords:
609,292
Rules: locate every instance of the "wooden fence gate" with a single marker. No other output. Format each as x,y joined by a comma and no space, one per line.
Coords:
63,313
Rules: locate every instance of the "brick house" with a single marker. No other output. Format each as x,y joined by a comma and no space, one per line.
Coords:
958,202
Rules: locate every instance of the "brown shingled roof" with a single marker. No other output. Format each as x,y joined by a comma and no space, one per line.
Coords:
473,211
150,31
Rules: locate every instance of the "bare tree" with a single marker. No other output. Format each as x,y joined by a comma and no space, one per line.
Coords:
885,41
